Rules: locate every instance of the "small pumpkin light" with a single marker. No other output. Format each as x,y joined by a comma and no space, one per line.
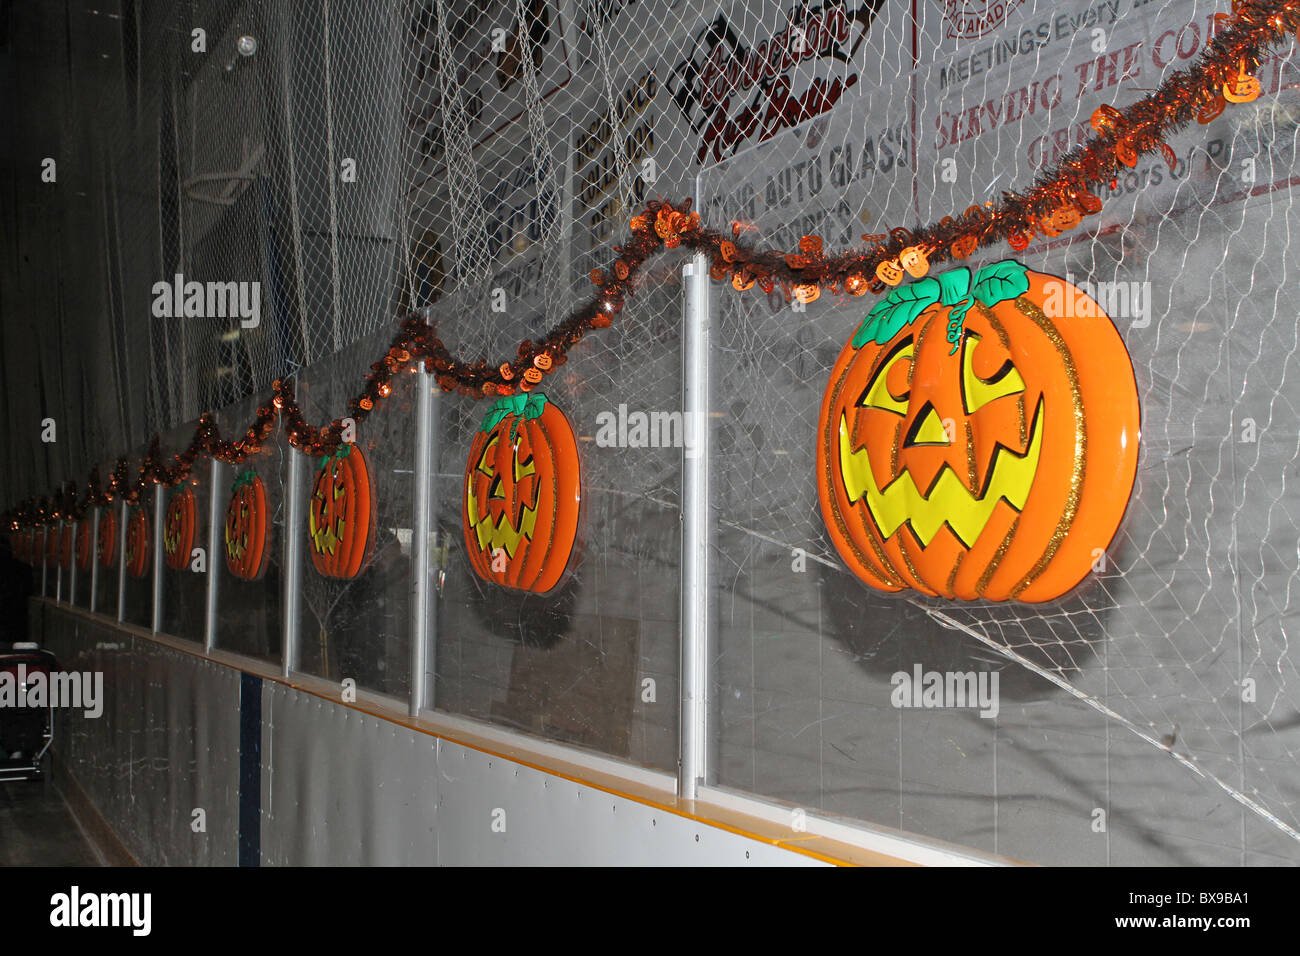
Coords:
1066,217
890,272
807,292
1209,111
963,246
915,261
855,284
811,246
1105,118
1243,87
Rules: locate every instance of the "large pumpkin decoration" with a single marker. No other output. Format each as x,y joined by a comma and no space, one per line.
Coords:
137,543
247,528
978,438
83,544
107,546
178,529
522,492
341,516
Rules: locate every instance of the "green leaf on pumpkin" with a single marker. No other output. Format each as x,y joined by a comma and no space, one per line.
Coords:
526,405
992,284
899,308
344,449
1001,281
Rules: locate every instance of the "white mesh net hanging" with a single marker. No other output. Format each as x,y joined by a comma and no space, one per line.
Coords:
477,161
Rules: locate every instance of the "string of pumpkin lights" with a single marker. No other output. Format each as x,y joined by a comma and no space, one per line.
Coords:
1058,200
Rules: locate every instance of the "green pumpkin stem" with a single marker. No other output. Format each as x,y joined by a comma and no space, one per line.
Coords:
993,283
344,449
525,406
242,479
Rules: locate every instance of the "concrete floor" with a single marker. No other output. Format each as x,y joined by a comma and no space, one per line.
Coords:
38,829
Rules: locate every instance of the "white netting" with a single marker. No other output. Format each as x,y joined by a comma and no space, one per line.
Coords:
478,160
1181,639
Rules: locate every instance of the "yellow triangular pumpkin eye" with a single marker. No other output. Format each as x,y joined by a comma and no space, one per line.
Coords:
877,394
525,469
929,429
487,461
977,392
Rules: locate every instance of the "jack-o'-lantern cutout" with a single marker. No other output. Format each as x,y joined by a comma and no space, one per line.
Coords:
137,543
340,522
247,528
178,529
107,545
83,544
65,545
522,494
978,438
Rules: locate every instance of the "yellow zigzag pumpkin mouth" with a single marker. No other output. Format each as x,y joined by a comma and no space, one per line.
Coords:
503,534
948,500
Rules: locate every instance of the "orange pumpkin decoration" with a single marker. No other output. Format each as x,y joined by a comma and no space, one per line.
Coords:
246,528
978,437
178,529
522,494
83,544
108,537
137,543
341,515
